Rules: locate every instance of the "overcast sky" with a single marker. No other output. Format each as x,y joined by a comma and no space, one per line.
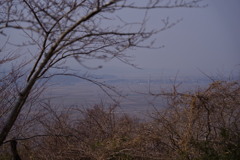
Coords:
207,40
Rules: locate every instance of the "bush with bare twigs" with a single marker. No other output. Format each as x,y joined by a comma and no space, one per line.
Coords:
200,125
195,125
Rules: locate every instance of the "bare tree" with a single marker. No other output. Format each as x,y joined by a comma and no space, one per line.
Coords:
56,31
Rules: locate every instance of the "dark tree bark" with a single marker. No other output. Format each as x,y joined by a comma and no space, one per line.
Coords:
15,154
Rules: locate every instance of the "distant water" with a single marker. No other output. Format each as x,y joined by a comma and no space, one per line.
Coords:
134,99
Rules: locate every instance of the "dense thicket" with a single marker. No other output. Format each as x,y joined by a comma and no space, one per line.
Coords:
195,125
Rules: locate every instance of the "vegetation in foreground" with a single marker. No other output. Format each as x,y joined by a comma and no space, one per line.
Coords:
195,125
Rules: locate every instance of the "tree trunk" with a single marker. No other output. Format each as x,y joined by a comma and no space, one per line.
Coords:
14,150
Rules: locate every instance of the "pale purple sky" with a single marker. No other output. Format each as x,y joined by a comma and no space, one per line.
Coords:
208,39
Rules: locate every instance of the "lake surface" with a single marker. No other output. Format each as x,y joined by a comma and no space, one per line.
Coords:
134,99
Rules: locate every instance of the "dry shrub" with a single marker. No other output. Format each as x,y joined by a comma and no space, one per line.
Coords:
200,125
196,125
97,133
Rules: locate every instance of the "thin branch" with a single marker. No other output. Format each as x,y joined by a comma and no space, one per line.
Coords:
101,85
35,15
37,136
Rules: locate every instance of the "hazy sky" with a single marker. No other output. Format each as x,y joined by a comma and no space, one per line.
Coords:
208,39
